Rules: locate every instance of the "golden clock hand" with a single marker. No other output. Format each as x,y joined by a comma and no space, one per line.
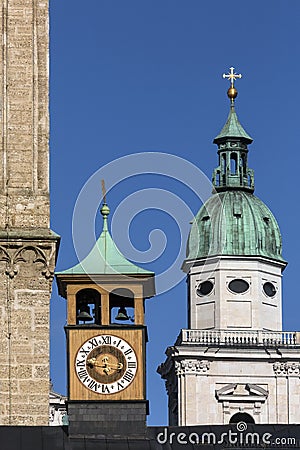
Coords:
93,362
105,366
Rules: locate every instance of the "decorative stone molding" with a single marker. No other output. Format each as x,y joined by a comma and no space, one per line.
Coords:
172,386
191,366
14,255
165,368
257,409
286,368
235,392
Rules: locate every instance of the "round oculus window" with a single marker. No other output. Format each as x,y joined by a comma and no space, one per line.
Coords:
269,289
205,288
238,286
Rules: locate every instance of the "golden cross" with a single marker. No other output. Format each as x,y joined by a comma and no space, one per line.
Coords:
103,191
232,76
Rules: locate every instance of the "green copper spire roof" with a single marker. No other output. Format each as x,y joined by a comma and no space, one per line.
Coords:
233,171
233,129
105,257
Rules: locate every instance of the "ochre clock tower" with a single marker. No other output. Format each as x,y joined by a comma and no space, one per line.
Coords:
106,339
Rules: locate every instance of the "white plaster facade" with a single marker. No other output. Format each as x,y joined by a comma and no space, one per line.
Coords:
212,382
234,358
57,409
223,309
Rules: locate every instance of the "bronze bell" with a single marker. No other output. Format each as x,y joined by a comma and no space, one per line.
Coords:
84,313
122,314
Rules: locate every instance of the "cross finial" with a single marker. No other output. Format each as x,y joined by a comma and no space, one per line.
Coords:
232,92
232,76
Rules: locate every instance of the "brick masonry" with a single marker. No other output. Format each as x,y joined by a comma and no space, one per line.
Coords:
27,246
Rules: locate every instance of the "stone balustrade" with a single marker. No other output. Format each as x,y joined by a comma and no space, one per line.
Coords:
239,338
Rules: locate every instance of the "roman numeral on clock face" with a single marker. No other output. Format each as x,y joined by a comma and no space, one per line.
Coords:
106,340
83,375
93,342
131,365
105,389
120,386
93,385
80,363
128,376
128,351
85,352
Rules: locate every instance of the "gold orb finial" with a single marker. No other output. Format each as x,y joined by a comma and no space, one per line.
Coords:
232,93
232,76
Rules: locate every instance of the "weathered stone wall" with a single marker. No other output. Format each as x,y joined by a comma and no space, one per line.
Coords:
26,273
24,121
27,247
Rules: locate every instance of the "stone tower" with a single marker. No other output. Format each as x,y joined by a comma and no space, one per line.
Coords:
27,246
233,363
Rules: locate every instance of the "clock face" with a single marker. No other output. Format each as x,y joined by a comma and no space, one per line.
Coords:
106,364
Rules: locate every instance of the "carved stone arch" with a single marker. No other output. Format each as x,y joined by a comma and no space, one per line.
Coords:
5,257
39,257
39,254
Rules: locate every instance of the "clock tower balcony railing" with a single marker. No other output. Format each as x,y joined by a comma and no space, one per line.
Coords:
251,338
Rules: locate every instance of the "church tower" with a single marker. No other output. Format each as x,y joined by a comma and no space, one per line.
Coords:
27,246
233,363
106,340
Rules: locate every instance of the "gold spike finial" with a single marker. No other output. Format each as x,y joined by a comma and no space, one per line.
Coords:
103,191
232,76
104,209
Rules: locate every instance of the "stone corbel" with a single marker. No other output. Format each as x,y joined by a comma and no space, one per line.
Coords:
191,366
286,368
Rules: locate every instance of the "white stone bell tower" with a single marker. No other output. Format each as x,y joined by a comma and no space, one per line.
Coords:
234,361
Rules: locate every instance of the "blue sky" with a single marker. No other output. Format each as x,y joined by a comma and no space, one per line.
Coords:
146,76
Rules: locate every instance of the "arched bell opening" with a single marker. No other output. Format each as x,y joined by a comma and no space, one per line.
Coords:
121,303
233,164
241,417
243,164
88,307
224,168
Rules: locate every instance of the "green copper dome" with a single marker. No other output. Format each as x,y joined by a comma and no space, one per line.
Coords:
234,223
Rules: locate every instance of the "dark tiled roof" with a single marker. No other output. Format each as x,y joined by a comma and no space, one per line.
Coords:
56,438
